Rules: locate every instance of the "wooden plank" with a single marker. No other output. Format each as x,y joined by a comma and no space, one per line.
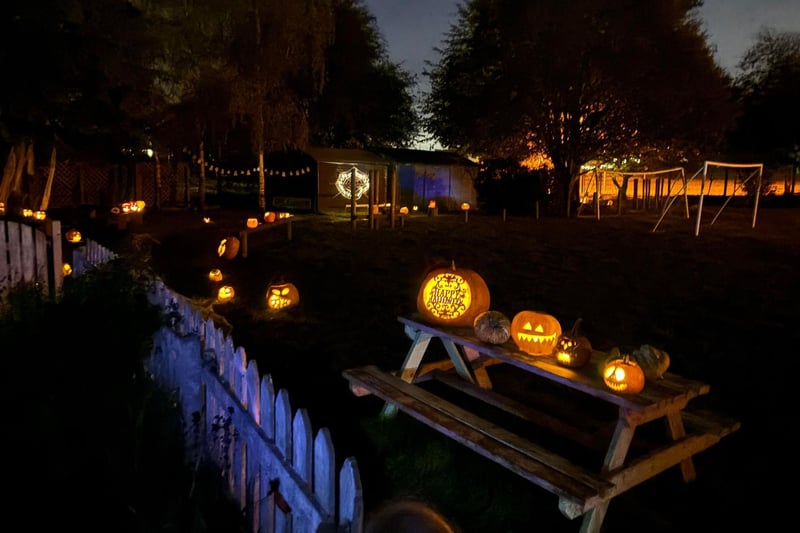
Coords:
14,253
582,489
656,396
5,274
525,412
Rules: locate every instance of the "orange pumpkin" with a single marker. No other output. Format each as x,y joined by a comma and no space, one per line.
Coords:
621,373
451,296
535,332
282,295
225,294
215,274
74,236
269,217
228,247
252,223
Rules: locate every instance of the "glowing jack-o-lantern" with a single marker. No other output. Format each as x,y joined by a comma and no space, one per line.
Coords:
452,296
252,223
215,274
621,373
404,210
27,213
39,215
225,294
269,217
282,295
535,332
2,208
66,269
228,247
74,236
465,206
573,350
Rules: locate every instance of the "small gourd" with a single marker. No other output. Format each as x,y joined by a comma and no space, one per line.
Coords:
492,327
654,362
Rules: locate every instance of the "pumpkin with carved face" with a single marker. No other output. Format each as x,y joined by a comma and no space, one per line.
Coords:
573,350
282,295
215,274
451,296
228,247
225,294
74,236
535,332
621,373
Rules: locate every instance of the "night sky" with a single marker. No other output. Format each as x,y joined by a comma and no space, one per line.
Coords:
413,28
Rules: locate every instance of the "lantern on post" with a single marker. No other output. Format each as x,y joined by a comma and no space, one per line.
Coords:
465,208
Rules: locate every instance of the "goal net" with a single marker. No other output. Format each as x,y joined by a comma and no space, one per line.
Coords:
713,178
606,188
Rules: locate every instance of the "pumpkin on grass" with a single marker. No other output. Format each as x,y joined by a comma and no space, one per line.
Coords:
451,296
228,247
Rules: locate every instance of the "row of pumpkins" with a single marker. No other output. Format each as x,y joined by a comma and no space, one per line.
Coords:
459,297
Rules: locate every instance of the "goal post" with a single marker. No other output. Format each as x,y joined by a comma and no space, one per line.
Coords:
757,171
596,186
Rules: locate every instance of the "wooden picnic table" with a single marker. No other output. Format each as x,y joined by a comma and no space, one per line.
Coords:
581,491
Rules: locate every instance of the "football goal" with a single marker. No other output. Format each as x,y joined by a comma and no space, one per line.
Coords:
746,173
598,188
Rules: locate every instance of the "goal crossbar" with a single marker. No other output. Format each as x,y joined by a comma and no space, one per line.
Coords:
758,171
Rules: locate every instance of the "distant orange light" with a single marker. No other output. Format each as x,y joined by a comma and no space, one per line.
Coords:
432,204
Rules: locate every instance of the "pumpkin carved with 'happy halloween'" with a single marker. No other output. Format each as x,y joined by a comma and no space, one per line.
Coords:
452,296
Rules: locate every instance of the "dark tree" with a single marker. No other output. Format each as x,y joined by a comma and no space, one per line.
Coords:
769,93
625,81
367,99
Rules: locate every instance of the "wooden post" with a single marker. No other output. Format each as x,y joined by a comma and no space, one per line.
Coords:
537,209
289,229
393,177
353,197
243,243
53,230
504,214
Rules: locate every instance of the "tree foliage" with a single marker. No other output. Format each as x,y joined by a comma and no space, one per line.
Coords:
367,99
581,81
769,92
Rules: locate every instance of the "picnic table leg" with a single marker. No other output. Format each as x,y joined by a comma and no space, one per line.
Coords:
410,365
615,457
677,431
463,367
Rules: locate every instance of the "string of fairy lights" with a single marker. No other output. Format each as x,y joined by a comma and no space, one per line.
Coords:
220,170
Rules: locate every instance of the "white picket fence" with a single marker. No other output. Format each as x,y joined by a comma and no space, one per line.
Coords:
281,474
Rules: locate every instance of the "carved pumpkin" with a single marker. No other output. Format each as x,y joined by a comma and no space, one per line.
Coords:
493,327
572,349
282,295
451,296
252,223
74,236
228,247
403,210
535,332
215,274
66,269
225,294
269,217
622,374
39,215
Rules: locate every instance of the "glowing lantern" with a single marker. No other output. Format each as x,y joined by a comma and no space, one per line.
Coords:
622,374
403,210
465,206
432,204
206,220
225,294
73,236
452,296
535,332
228,247
215,274
39,215
252,223
572,349
269,217
66,269
282,295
